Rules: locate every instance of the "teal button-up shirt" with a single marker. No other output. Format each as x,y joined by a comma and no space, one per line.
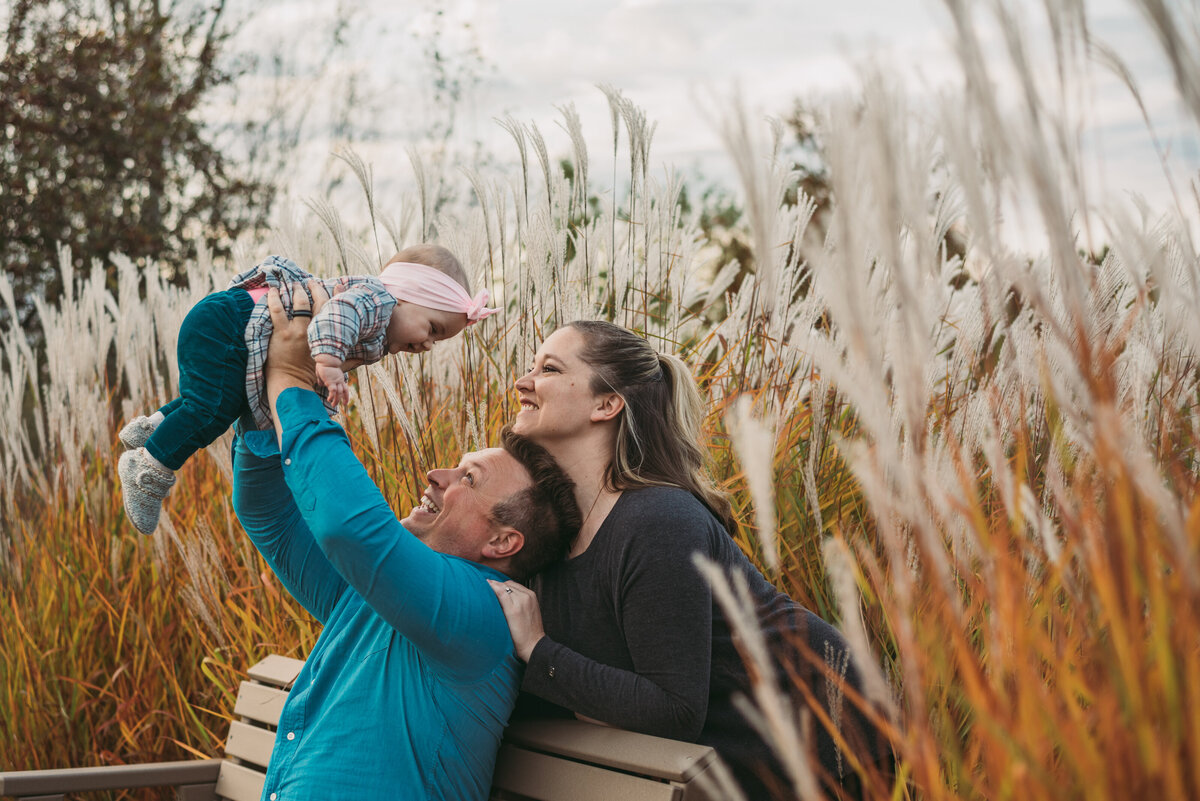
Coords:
410,685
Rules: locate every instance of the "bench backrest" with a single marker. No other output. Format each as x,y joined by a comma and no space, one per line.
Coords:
252,732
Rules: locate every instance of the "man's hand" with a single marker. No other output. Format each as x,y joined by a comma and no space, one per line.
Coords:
289,361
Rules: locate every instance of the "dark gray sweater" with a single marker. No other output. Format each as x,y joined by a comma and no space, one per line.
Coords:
636,639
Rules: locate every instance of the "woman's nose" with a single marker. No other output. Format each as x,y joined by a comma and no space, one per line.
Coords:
524,382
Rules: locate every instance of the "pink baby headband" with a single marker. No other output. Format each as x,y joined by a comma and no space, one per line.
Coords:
424,285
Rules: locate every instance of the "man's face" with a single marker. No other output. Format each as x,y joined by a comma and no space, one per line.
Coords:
453,515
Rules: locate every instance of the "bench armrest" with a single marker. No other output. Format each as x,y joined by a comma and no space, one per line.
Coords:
110,777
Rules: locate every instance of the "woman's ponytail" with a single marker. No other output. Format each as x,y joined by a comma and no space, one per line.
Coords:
660,430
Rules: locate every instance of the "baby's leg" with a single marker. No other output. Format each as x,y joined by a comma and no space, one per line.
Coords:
170,407
135,433
212,378
212,394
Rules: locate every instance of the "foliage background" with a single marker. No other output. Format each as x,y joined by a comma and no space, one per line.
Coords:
104,149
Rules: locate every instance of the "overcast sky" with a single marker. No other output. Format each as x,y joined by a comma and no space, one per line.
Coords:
528,56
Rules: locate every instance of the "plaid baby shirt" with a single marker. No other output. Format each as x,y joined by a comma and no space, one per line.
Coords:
352,325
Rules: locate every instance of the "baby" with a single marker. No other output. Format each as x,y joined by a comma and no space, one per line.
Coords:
421,297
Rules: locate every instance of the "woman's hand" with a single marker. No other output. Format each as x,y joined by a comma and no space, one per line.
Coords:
523,614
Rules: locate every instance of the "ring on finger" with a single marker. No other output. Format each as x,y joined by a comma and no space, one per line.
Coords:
301,313
508,590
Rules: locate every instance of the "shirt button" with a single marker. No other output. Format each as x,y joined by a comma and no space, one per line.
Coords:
550,672
291,735
287,461
274,796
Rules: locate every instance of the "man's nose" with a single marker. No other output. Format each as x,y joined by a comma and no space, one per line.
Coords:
439,477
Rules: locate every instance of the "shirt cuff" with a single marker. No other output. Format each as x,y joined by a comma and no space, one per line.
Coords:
321,347
262,444
298,405
542,670
304,445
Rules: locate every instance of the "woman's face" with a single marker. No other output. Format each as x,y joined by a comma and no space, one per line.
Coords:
556,396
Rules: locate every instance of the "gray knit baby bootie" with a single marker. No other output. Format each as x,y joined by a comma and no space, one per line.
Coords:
144,486
136,432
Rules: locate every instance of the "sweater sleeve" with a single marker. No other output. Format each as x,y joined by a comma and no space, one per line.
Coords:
441,603
664,609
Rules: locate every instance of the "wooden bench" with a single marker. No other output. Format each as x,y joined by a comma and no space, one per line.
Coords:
542,760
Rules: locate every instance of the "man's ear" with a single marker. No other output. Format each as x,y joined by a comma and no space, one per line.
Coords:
607,407
505,542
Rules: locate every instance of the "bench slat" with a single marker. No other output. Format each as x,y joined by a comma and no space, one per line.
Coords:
276,670
260,703
240,783
249,743
617,748
546,778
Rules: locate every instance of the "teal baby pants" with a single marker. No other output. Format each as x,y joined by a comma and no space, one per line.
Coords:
212,378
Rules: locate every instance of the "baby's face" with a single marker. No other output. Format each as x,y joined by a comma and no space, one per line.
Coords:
414,328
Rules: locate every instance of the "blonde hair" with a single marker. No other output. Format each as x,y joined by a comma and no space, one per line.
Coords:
438,258
659,430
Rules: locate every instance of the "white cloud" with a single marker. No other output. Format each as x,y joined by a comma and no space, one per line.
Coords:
538,54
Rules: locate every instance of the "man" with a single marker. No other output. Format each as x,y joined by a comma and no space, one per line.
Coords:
411,683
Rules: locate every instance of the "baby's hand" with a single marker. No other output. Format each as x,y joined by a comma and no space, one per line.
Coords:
334,381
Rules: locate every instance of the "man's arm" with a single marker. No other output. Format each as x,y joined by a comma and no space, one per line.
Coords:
439,602
268,513
289,360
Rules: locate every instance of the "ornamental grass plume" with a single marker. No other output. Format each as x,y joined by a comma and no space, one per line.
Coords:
754,443
770,712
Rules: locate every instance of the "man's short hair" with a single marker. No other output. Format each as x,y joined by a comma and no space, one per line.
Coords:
545,512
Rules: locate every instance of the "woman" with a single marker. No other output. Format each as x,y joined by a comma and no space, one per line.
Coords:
628,632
